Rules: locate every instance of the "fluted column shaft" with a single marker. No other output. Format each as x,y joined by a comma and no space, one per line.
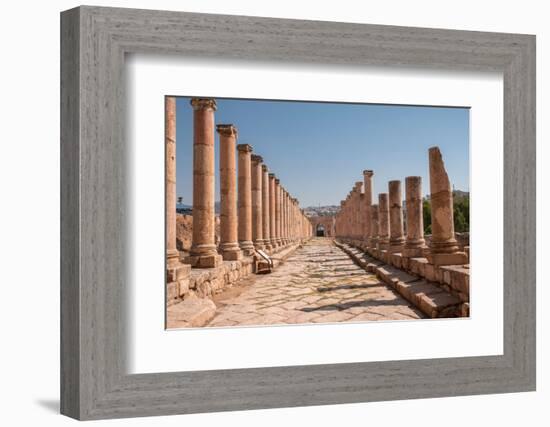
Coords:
265,208
229,245
245,199
374,225
272,211
257,217
397,238
367,189
278,199
415,222
172,254
384,221
358,232
443,247
203,252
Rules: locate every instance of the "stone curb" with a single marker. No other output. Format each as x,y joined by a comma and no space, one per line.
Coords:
429,298
198,309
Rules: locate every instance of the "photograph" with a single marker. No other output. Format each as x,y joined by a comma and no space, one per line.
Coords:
288,212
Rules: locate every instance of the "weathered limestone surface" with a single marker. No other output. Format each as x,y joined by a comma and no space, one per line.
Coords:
373,241
317,284
203,251
190,313
415,244
443,247
367,190
272,212
397,238
278,202
257,216
245,199
229,245
383,222
430,298
176,272
266,221
172,255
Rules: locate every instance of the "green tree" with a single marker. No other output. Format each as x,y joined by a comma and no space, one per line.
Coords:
461,213
427,216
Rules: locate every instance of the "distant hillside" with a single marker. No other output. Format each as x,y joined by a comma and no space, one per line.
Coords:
188,209
322,210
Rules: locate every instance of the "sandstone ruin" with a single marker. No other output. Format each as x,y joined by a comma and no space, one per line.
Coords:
261,224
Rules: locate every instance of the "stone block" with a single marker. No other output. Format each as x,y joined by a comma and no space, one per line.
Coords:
417,266
435,303
392,275
204,261
411,289
458,277
429,272
204,289
232,255
172,293
457,258
412,252
183,286
177,272
194,312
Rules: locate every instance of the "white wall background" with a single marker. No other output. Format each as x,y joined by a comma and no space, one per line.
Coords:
29,211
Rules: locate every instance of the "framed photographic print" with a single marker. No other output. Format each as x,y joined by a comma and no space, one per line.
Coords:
281,213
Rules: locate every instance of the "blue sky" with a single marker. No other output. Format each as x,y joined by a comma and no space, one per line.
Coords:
319,150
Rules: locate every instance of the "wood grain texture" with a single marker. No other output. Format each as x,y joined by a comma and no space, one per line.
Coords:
94,269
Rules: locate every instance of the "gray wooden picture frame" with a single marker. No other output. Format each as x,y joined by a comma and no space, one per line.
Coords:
94,382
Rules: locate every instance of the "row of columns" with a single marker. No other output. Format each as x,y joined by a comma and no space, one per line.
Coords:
382,226
256,211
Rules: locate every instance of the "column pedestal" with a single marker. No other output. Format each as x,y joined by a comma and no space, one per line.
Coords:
444,249
203,252
415,243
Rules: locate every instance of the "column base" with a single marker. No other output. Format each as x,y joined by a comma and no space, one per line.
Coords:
457,258
259,244
383,245
396,245
232,255
177,272
247,247
172,258
413,252
204,261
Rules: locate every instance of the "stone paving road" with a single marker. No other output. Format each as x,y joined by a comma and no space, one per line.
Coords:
318,283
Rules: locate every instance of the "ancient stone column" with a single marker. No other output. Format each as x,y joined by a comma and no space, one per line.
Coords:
285,216
397,238
358,221
272,211
278,200
367,190
265,208
361,211
415,221
203,252
374,226
245,199
229,244
257,217
383,222
444,249
172,254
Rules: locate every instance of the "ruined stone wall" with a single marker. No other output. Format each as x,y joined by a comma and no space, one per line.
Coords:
326,221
